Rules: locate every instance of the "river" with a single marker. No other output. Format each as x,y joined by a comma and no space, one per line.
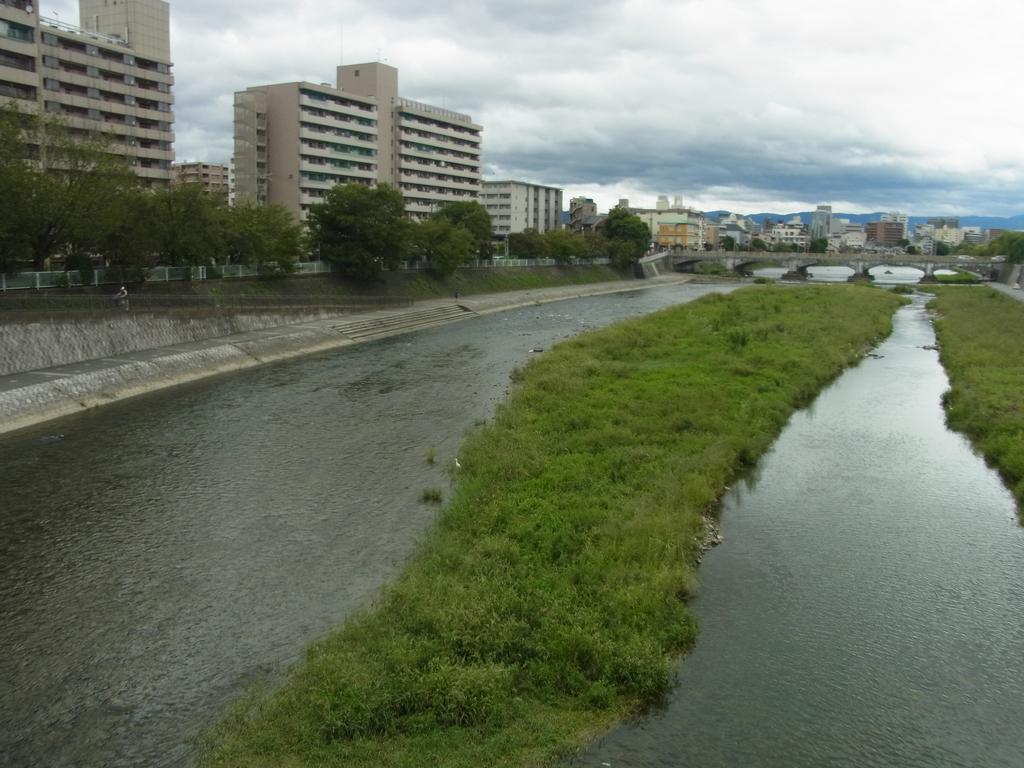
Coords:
867,606
160,555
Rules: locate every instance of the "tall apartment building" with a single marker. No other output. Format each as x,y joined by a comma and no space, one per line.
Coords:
515,206
212,176
110,75
294,141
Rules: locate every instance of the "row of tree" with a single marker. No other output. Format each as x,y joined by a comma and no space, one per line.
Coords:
622,239
363,230
72,198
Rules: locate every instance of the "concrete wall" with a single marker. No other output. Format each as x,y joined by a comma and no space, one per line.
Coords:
35,345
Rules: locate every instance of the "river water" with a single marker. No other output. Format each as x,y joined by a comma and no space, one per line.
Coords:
867,606
160,555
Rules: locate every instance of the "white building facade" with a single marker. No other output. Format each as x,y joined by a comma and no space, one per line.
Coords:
515,206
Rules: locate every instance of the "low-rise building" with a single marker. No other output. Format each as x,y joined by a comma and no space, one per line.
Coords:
213,177
684,227
515,206
581,209
790,233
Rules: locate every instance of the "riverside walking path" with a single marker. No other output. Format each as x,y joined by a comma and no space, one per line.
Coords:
32,397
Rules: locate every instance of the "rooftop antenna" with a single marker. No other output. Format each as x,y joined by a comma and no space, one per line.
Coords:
341,44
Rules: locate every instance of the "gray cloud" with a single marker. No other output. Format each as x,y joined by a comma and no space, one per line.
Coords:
733,103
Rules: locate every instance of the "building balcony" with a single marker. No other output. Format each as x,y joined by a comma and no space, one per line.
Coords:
332,138
344,109
440,130
440,166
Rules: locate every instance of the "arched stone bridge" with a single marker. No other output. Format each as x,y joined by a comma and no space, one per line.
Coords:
860,263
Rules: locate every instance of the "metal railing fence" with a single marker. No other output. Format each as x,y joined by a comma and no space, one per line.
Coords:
116,276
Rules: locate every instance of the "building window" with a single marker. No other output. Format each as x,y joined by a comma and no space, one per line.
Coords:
16,31
17,61
16,90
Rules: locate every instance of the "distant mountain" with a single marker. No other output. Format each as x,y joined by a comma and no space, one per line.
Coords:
985,222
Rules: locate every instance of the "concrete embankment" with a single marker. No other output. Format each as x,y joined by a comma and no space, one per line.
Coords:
31,346
36,396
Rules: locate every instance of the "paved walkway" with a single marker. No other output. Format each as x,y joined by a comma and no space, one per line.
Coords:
34,396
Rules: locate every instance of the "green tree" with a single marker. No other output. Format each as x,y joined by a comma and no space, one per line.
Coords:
941,248
264,236
818,245
444,246
564,246
1009,244
912,250
528,244
474,218
189,226
63,188
728,243
361,229
15,179
757,244
632,237
130,244
595,246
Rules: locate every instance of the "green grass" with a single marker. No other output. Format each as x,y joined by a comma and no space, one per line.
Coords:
549,601
492,280
982,348
960,277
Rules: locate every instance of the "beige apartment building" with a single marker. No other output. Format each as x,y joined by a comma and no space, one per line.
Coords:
515,206
213,177
294,141
111,74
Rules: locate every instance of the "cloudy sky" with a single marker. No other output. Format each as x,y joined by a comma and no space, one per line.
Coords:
748,105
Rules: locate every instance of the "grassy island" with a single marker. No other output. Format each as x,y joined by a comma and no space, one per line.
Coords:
549,600
981,338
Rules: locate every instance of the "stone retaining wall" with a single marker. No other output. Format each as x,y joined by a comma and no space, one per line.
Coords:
35,345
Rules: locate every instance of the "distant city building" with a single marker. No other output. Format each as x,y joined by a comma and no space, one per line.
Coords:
671,227
581,210
973,235
213,177
939,222
294,141
791,233
886,233
515,206
951,236
821,222
896,218
111,75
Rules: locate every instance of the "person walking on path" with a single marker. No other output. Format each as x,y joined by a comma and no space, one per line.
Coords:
121,298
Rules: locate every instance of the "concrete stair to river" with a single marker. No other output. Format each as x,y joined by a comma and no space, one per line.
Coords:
380,326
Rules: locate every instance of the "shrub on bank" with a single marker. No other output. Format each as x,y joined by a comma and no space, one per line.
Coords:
982,349
549,599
